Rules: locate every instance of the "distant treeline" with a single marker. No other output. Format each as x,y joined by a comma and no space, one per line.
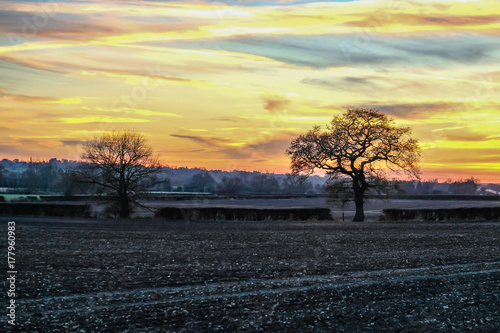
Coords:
55,176
469,186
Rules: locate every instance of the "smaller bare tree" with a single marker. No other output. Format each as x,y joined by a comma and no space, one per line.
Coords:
121,165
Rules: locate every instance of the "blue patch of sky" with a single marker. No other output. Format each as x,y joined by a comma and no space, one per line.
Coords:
17,77
34,18
324,51
13,39
151,19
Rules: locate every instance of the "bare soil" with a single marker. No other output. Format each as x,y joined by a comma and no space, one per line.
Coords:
89,275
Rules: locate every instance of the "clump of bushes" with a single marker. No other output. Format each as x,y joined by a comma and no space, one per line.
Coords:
243,214
461,214
44,209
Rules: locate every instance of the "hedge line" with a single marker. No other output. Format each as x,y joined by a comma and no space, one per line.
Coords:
243,214
44,209
450,197
473,213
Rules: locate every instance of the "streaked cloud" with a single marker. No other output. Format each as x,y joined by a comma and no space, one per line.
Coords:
204,141
339,50
102,119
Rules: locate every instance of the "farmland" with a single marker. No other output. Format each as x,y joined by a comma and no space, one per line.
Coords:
78,275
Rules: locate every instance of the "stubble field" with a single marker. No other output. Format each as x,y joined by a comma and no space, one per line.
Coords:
87,275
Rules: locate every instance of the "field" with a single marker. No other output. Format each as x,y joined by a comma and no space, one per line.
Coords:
89,275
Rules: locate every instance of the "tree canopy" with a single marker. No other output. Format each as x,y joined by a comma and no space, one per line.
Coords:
121,165
360,146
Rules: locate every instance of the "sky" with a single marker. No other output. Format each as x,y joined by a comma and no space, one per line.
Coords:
228,84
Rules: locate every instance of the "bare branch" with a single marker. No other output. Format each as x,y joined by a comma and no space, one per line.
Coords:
359,144
120,164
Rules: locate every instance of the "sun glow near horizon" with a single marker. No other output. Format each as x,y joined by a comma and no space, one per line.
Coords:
228,86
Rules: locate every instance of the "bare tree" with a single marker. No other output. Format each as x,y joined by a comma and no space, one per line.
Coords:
201,182
296,184
121,165
265,183
358,151
230,186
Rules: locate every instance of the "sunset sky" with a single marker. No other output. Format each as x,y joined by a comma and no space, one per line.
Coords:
227,85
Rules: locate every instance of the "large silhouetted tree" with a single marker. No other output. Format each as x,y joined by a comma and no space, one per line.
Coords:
121,165
358,151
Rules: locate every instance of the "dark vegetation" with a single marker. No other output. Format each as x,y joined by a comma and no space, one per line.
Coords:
455,214
243,214
207,185
45,209
356,151
120,166
53,177
460,187
34,178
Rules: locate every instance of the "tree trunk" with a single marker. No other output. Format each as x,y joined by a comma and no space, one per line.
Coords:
124,206
359,194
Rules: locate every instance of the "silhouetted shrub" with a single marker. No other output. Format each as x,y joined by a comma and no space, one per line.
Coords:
44,209
243,214
472,213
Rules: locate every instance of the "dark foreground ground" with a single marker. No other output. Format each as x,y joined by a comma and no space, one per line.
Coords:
154,276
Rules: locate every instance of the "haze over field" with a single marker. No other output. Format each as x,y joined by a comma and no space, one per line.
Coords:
227,85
